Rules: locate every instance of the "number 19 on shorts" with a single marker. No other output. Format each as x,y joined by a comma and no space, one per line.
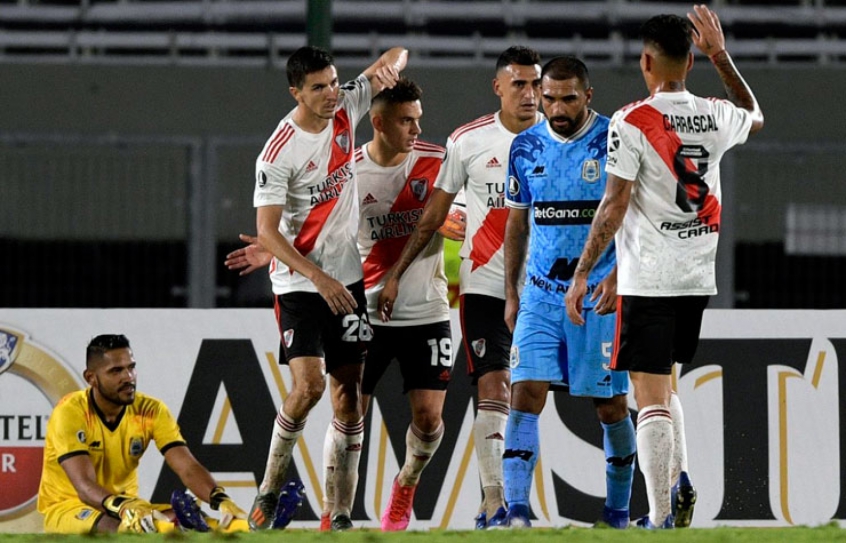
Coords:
441,351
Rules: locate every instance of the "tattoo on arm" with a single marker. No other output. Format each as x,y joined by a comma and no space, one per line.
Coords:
738,91
609,218
601,234
416,242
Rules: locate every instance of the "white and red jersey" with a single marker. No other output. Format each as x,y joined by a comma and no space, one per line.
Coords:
391,201
477,161
312,177
670,146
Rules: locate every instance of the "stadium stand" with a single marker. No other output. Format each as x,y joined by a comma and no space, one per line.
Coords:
439,32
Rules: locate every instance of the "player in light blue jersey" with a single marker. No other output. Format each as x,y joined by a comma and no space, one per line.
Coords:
556,180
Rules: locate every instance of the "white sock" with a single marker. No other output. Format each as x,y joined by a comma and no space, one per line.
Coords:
655,452
679,463
489,436
328,471
346,439
286,431
419,449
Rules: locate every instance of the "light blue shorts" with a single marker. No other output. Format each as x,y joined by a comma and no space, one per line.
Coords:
548,347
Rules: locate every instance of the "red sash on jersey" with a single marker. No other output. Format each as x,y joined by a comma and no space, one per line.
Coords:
386,252
666,143
489,237
312,226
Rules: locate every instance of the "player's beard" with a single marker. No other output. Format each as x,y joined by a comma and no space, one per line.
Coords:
127,399
572,126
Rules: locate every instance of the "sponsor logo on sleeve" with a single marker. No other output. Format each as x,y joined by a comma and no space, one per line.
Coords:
513,185
613,141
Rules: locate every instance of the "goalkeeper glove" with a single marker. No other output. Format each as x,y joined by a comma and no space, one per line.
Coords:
219,500
135,514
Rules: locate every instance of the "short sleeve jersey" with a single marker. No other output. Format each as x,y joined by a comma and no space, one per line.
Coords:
392,200
560,181
77,427
312,176
477,161
670,146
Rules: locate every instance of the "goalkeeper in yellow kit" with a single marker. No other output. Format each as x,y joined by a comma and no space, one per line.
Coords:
95,440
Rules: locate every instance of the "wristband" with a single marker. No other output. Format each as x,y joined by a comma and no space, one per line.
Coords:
217,495
113,502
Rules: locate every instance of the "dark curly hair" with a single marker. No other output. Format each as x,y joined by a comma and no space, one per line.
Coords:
670,34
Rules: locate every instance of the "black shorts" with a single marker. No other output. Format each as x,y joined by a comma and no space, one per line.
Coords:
486,338
308,328
654,332
424,354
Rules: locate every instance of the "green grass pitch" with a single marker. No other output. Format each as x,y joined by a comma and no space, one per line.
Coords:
567,535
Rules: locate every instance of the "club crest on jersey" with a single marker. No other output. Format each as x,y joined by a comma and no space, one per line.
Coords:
479,347
288,337
136,446
261,178
419,188
514,359
80,436
590,170
342,140
513,185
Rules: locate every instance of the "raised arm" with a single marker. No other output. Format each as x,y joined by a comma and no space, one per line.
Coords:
340,300
709,38
434,213
516,240
384,73
608,219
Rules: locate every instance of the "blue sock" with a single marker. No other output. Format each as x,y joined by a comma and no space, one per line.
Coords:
620,445
522,446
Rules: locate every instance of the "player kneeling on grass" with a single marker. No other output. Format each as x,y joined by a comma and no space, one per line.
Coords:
95,440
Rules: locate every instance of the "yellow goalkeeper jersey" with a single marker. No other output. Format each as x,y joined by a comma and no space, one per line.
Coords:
77,426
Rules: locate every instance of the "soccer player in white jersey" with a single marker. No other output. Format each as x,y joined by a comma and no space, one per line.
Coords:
395,173
307,218
663,188
477,161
